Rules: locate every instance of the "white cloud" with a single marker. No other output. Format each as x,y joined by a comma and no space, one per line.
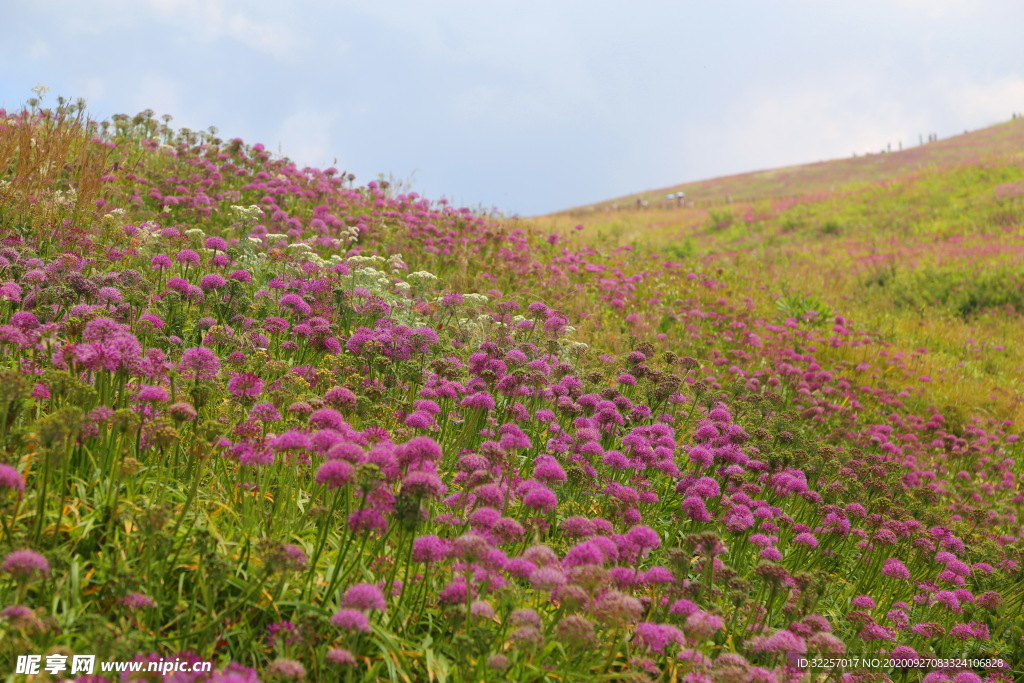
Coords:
937,9
982,103
271,38
156,92
803,124
210,20
305,137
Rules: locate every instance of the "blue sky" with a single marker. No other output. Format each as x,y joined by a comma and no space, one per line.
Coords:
532,106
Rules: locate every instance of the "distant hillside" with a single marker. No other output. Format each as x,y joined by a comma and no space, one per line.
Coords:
1002,141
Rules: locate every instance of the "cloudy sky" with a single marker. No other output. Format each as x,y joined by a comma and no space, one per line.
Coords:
530,106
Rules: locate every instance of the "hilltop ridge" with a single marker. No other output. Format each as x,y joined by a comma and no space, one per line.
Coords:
1001,141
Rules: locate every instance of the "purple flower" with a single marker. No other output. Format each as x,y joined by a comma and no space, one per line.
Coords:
10,291
584,553
480,400
430,549
578,526
216,243
701,456
928,629
265,412
696,509
282,669
806,539
178,284
199,363
990,600
22,564
705,487
876,632
425,484
897,616
418,450
547,578
643,537
137,601
904,652
334,474
275,325
291,440
148,394
188,257
541,498
657,575
11,479
161,261
340,656
327,418
21,615
683,608
363,520
508,530
826,643
703,625
483,517
657,637
618,609
341,398
706,432
294,303
863,602
364,596
783,642
182,411
245,385
419,420
548,470
482,609
212,281
110,295
351,620
895,569
452,299
153,320
524,617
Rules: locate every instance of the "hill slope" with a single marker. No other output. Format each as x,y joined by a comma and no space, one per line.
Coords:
259,417
1004,141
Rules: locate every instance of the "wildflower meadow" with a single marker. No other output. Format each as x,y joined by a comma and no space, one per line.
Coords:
306,429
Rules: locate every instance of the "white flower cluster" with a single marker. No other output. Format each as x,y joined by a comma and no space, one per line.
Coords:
349,234
395,263
248,216
67,198
372,279
115,217
361,259
422,277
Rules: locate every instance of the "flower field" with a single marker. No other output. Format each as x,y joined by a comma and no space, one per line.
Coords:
306,429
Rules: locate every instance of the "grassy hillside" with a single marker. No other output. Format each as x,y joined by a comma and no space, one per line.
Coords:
926,260
264,417
1003,142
